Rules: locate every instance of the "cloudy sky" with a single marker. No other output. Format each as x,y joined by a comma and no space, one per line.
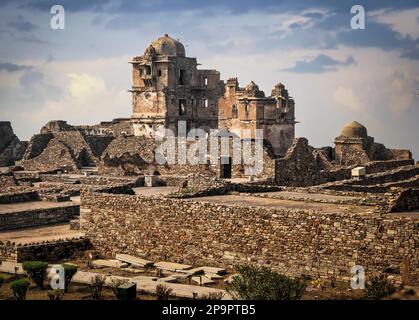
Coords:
336,74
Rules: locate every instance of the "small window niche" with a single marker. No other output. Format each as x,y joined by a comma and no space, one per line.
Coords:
159,73
234,112
182,107
181,77
206,81
206,103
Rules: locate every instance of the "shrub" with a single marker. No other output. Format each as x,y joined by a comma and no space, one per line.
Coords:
37,271
261,283
378,288
212,296
55,295
69,272
96,286
115,284
20,288
163,292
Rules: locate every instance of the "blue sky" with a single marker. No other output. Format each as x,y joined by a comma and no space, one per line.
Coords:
336,74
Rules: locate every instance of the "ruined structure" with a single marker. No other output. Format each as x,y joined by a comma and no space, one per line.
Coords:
11,148
293,241
248,109
61,146
355,147
304,214
168,87
304,165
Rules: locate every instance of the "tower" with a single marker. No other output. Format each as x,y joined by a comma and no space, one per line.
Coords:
167,87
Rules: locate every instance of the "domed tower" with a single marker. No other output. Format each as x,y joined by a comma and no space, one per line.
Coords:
354,130
167,87
351,147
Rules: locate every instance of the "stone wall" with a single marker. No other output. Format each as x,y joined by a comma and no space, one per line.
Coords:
38,217
90,180
303,165
195,185
25,196
136,155
294,242
53,251
403,177
7,180
61,146
114,128
8,251
407,200
11,148
395,175
37,144
380,166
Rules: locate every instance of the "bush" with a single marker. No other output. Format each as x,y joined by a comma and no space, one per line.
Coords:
69,272
55,295
115,284
96,286
261,283
212,296
20,288
163,292
37,271
378,288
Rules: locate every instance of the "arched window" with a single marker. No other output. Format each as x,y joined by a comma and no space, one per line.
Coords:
234,112
147,70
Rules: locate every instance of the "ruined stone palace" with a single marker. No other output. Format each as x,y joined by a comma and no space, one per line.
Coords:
312,212
168,87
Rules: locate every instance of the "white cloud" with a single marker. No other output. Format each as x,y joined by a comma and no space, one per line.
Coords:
404,84
403,21
82,86
78,91
347,98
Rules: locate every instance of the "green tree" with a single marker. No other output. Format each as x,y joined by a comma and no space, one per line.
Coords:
69,271
20,288
37,271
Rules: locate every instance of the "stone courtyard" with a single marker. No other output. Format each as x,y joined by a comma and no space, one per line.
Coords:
312,212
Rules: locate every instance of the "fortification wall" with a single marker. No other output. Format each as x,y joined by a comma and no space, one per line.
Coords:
294,242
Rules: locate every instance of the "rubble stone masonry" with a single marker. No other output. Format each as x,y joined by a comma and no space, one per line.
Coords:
294,242
38,217
51,251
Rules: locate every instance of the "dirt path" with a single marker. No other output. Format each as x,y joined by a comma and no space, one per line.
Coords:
287,204
39,234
